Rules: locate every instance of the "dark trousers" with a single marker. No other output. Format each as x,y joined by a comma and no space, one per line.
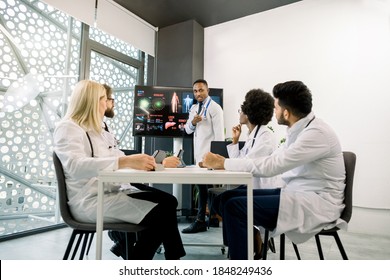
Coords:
232,207
161,224
202,201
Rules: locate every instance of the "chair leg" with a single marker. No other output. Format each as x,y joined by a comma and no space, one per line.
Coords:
282,244
70,244
90,242
265,244
130,238
127,243
296,251
83,236
271,245
319,247
340,245
77,244
84,246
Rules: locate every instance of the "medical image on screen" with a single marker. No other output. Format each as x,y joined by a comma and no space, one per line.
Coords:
175,102
158,104
187,102
163,111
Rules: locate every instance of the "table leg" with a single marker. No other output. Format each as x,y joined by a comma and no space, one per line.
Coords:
250,220
99,221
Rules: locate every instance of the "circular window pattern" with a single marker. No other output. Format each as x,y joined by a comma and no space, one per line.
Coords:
40,48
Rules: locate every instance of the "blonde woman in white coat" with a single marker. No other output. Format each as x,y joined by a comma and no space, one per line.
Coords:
84,148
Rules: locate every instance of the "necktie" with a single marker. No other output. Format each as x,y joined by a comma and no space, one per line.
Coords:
200,107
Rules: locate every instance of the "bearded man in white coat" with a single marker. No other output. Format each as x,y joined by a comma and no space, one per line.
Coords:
311,165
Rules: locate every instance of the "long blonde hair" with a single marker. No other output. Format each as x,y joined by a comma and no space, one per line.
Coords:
84,105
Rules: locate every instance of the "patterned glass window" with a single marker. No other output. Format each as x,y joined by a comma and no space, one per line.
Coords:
121,78
39,65
114,43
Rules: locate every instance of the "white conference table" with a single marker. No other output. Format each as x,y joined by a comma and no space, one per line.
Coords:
187,175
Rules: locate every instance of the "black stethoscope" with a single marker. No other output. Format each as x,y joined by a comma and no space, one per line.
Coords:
310,121
254,137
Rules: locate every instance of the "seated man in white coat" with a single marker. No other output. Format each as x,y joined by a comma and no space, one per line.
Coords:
312,167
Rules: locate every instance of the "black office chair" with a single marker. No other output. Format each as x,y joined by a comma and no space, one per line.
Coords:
350,163
219,147
85,231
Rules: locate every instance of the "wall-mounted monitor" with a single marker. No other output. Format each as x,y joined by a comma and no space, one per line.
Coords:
163,111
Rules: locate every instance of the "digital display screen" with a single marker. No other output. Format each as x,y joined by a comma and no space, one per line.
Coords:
163,111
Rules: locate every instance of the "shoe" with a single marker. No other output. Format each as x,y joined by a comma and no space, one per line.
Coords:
119,238
213,222
257,244
195,227
115,236
116,249
110,235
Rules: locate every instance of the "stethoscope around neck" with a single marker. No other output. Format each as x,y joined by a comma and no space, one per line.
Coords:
205,108
254,139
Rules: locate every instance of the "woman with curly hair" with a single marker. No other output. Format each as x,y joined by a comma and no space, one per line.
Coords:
256,112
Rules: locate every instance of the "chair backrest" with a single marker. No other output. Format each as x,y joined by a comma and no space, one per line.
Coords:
62,196
67,215
219,147
350,163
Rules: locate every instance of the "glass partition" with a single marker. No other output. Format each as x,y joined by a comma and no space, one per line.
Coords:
40,61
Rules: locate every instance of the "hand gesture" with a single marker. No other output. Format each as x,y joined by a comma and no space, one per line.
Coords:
196,119
213,161
236,132
138,161
171,162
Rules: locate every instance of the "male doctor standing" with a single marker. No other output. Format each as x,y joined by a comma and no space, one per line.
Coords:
206,122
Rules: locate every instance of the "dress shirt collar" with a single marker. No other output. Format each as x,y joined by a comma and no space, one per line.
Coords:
301,124
293,132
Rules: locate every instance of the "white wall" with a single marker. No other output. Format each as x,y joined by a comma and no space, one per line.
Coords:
341,50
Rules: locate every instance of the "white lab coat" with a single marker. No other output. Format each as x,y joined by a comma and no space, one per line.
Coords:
211,128
263,145
81,169
313,170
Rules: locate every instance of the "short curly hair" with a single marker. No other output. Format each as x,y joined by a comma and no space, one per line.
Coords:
258,106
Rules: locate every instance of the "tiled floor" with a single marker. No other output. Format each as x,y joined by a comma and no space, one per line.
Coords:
51,246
